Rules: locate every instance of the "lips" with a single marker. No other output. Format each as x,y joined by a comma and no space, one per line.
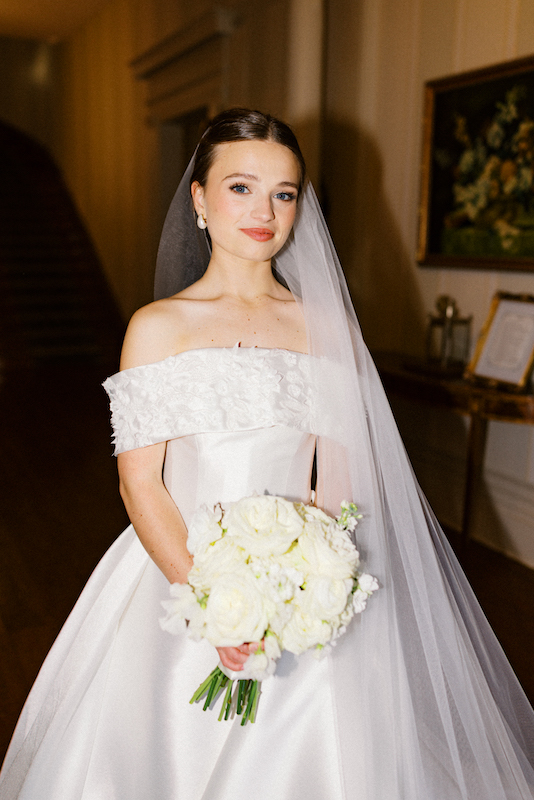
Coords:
258,234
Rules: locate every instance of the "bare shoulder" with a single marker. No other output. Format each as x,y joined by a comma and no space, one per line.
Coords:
154,333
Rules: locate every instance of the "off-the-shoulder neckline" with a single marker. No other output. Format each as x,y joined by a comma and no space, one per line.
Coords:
234,349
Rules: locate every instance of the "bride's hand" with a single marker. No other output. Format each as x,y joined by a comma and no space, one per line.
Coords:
234,657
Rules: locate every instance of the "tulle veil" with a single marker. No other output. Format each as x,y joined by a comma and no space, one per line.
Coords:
427,705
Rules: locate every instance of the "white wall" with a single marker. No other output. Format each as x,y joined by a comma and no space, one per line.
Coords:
379,56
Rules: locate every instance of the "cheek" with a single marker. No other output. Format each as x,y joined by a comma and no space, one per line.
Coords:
226,206
287,217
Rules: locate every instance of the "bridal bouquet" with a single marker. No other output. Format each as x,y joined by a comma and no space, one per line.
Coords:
271,571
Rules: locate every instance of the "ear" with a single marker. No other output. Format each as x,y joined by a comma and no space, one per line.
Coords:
197,193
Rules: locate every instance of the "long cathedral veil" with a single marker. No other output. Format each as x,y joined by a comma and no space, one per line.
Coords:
428,707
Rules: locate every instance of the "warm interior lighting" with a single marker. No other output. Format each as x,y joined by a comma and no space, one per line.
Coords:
48,22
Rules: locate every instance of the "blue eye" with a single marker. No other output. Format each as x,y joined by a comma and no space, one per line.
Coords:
286,196
239,188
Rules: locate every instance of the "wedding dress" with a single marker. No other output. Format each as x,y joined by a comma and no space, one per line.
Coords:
416,701
109,716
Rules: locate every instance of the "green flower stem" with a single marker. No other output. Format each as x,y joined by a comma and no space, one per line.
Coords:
229,705
256,699
227,702
241,693
245,696
204,686
251,700
218,679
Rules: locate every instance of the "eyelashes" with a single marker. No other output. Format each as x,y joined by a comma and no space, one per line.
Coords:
241,188
287,196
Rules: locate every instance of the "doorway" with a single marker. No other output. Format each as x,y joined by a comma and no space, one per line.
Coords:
177,141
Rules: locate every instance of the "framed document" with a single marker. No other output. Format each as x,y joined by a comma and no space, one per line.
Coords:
505,349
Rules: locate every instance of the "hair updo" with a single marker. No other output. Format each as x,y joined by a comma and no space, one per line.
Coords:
238,125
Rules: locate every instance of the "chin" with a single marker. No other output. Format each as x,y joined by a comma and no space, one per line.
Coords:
255,251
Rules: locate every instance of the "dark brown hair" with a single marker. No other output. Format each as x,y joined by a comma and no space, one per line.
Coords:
242,124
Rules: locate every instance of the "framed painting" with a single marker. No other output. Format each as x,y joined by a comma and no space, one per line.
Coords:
504,354
477,194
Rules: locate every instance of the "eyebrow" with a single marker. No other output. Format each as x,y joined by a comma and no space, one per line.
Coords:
250,177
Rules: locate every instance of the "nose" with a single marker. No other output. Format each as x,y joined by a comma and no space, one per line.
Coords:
263,208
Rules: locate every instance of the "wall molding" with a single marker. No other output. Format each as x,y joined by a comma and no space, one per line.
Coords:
187,70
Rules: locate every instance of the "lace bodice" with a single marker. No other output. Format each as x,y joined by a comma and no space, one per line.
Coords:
210,390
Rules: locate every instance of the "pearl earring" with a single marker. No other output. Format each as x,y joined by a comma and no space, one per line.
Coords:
201,222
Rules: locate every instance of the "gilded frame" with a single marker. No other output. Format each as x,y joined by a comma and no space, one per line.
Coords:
504,354
477,170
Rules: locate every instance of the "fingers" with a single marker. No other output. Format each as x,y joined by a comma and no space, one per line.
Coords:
234,657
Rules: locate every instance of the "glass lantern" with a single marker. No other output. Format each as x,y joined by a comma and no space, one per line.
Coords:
448,337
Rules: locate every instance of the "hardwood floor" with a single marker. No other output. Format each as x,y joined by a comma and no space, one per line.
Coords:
60,510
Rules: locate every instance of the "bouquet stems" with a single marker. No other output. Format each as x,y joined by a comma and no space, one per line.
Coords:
244,697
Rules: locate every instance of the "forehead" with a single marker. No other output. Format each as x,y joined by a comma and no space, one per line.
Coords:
266,160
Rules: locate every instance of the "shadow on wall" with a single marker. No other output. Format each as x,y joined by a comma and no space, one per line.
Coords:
436,441
382,278
380,270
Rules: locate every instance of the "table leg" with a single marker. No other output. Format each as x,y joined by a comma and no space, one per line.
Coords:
476,446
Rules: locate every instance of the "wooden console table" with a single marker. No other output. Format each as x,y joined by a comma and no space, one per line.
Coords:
481,404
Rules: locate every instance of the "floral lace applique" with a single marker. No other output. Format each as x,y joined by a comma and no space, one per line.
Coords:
212,389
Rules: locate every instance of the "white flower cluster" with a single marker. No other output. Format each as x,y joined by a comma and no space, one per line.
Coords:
266,569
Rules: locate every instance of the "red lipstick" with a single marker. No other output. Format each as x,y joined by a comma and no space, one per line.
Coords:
259,234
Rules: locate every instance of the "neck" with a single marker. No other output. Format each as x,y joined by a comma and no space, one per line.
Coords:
245,280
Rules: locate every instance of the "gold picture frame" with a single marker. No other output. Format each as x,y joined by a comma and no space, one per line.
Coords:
477,200
504,354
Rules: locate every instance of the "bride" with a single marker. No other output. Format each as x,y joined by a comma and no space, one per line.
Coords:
251,364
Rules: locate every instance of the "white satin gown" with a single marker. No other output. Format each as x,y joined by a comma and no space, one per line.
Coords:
109,715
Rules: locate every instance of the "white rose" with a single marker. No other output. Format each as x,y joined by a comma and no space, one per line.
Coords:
325,598
303,632
323,559
218,559
236,611
263,525
204,528
312,512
